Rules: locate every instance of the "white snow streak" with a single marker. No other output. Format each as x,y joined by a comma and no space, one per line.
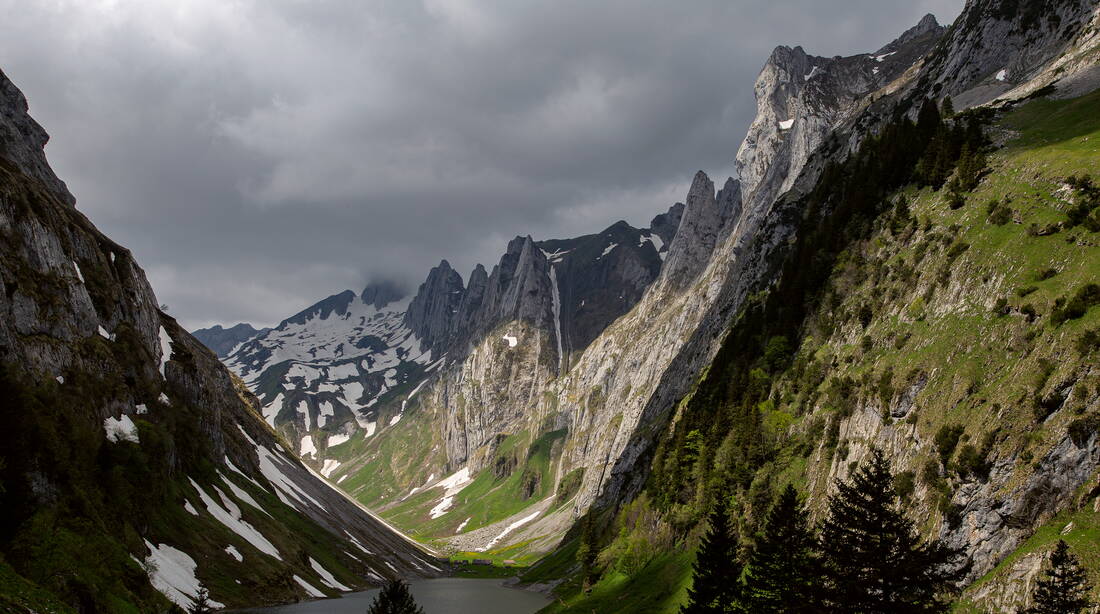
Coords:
326,576
230,516
337,439
515,525
313,592
556,308
165,349
233,552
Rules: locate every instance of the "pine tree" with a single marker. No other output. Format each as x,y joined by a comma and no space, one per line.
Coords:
202,603
783,572
873,560
395,598
1065,588
586,552
948,108
716,581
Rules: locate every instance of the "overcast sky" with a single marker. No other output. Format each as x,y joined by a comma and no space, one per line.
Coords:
258,155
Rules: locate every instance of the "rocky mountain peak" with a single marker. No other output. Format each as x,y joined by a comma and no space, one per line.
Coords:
665,224
382,293
927,26
431,313
23,140
696,236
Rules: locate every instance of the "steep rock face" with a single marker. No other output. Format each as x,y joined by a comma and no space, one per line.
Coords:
997,47
696,236
801,99
665,225
349,365
597,278
128,439
222,341
432,311
22,141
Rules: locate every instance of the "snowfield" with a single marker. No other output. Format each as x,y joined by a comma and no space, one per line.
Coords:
172,572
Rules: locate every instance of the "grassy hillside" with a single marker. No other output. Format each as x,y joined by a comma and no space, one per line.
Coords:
959,333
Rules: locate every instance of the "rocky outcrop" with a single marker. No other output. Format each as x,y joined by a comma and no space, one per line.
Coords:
1010,50
665,225
23,141
431,314
802,98
699,230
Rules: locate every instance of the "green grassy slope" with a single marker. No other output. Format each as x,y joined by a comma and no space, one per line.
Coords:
958,304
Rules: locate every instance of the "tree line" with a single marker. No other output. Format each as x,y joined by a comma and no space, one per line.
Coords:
864,557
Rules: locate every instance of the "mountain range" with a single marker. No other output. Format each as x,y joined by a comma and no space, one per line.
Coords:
905,259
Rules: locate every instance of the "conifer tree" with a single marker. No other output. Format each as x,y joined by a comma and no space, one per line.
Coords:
395,598
1064,589
873,560
716,581
948,107
202,603
783,572
587,551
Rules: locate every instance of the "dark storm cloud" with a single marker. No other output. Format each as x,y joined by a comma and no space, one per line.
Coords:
257,155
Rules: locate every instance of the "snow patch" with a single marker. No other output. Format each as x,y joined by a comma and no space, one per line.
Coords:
103,332
327,577
786,124
330,466
308,449
172,572
140,408
607,250
394,420
230,516
303,411
1002,75
79,275
120,429
190,508
285,488
233,552
451,485
165,349
512,341
313,592
241,494
270,410
60,379
163,398
515,525
337,439
324,410
813,71
463,525
880,58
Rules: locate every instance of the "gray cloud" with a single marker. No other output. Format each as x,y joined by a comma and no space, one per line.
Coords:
260,154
